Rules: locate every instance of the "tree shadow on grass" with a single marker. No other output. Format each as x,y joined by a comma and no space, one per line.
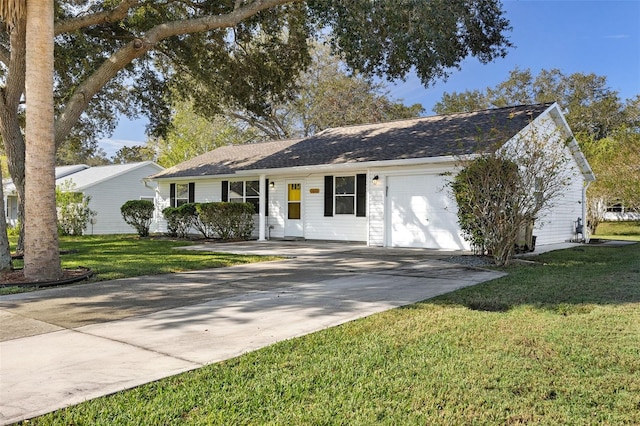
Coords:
566,282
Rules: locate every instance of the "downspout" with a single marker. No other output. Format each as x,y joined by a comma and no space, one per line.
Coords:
585,228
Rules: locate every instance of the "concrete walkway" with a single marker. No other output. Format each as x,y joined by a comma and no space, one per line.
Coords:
62,346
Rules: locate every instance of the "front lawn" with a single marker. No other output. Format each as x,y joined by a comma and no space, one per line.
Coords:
553,343
121,256
619,231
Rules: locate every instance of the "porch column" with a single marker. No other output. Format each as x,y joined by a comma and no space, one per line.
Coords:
263,199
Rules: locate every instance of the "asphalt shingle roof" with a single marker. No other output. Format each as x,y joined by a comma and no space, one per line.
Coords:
92,175
425,137
83,176
227,159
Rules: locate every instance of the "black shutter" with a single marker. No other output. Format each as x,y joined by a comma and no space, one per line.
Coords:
266,197
172,195
328,195
361,195
192,192
225,190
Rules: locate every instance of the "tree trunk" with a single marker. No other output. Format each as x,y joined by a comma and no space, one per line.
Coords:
41,253
15,156
5,253
9,122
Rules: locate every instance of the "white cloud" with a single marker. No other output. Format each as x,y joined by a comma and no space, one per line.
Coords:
111,146
617,36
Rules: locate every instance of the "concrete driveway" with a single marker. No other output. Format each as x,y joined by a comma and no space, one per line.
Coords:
62,346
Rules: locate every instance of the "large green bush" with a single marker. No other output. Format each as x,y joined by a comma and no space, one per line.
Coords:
487,192
138,213
228,221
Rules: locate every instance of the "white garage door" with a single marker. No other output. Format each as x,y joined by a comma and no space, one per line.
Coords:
422,213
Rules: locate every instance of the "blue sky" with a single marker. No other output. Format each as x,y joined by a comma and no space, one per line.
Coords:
587,36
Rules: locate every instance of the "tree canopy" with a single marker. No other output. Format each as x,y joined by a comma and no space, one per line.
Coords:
191,134
324,95
118,56
594,110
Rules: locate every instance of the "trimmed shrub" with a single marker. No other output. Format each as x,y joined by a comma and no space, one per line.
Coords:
180,219
228,221
204,227
138,214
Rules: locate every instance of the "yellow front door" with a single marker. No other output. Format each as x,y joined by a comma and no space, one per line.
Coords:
293,223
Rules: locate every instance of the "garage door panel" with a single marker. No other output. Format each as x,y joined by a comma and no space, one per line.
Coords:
422,213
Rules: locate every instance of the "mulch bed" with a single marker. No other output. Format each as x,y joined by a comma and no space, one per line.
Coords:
16,278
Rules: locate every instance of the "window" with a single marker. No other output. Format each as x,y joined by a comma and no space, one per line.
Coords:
616,208
245,192
345,193
252,194
236,192
181,193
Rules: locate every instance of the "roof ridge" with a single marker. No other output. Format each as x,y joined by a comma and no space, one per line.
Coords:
435,116
495,109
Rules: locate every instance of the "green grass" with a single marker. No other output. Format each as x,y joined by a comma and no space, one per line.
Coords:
629,231
121,256
554,343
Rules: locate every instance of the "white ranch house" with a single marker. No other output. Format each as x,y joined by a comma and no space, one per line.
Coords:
109,188
383,184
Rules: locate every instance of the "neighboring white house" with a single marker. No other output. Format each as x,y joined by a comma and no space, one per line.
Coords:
619,212
109,188
384,184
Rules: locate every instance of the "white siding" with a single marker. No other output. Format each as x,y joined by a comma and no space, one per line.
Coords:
339,227
277,208
621,216
162,201
108,196
375,207
11,202
557,223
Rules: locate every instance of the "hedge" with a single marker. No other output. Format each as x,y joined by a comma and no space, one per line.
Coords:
227,221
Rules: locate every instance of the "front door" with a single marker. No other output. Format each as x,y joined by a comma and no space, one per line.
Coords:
293,222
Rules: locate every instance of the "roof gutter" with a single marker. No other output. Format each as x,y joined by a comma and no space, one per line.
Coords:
322,168
188,178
